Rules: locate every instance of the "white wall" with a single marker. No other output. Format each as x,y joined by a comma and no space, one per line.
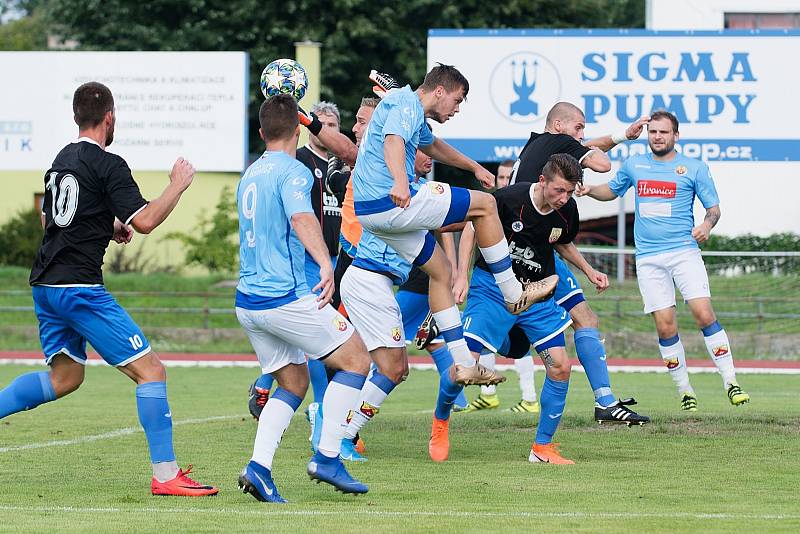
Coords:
707,14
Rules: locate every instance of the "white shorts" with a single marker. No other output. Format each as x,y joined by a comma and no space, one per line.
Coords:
658,275
406,229
285,335
369,300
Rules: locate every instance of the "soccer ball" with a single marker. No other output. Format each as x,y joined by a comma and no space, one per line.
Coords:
284,76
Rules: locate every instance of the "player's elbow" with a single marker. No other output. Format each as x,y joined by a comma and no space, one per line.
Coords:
600,165
143,223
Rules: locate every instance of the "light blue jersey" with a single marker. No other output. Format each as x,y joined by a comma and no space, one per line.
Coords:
271,257
665,192
400,113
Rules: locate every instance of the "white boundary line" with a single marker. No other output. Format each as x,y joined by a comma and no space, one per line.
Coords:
740,369
401,514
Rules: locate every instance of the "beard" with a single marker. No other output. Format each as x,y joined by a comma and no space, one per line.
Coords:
110,135
664,151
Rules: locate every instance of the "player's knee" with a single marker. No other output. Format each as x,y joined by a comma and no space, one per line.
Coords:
584,317
482,203
560,372
705,318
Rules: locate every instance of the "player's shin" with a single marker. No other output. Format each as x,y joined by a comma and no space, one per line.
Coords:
674,357
592,355
527,380
450,328
374,392
448,393
499,263
156,420
26,392
719,349
274,421
552,400
340,397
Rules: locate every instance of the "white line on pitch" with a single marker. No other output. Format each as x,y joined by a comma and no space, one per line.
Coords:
405,513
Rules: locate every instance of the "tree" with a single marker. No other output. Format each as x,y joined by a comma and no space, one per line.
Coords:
357,35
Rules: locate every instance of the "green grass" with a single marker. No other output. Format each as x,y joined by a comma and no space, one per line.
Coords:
723,469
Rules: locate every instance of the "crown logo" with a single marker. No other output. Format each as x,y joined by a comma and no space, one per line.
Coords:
524,105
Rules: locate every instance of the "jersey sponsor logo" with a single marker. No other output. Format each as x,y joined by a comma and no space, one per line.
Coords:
681,169
517,226
369,411
672,363
436,188
656,189
720,351
524,256
396,334
555,233
640,166
339,323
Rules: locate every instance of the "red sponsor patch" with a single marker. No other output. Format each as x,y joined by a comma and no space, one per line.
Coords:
368,410
672,363
656,189
720,351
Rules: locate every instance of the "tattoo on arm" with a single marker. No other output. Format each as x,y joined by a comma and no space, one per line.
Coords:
712,216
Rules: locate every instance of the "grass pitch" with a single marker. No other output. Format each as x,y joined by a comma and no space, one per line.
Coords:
80,464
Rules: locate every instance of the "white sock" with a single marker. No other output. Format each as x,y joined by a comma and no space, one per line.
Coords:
369,403
503,275
274,421
675,359
338,401
164,471
449,323
719,348
488,360
527,381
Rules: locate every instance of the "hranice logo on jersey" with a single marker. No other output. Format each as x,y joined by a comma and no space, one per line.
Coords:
524,86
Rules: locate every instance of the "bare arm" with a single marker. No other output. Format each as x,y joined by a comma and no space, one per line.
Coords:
702,232
597,192
394,153
308,231
597,160
159,209
441,151
570,253
339,145
607,142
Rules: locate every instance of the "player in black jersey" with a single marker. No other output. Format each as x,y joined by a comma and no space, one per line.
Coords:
536,218
91,198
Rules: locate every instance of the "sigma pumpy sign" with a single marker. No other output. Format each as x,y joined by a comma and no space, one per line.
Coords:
729,89
168,104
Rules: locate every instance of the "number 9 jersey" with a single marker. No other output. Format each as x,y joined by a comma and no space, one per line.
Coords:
85,188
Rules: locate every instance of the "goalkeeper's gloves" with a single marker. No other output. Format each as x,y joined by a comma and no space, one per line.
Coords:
309,120
337,176
383,83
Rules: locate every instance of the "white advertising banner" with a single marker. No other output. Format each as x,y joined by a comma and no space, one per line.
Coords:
731,90
168,104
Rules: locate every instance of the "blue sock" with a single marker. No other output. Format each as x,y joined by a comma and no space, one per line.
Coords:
443,360
552,399
448,392
265,381
319,379
26,392
156,419
592,355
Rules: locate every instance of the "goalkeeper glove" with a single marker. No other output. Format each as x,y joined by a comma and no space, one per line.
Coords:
383,83
309,120
337,176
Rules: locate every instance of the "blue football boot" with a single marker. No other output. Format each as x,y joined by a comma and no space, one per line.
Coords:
332,471
257,480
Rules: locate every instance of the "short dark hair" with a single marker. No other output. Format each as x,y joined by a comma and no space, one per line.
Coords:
90,103
664,114
507,163
448,77
565,166
278,117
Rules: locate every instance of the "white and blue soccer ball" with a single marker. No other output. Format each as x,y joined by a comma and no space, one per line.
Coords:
284,76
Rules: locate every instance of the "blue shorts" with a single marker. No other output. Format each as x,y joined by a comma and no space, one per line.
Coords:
414,307
487,321
568,291
312,271
71,316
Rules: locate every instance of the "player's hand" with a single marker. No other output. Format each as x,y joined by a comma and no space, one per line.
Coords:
635,130
485,177
122,232
701,233
600,280
460,288
400,194
309,120
182,174
582,190
325,286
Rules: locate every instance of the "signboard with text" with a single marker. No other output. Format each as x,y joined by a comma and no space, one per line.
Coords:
729,89
168,104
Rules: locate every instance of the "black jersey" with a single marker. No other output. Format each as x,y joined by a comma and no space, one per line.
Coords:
538,150
418,281
326,207
85,188
532,234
